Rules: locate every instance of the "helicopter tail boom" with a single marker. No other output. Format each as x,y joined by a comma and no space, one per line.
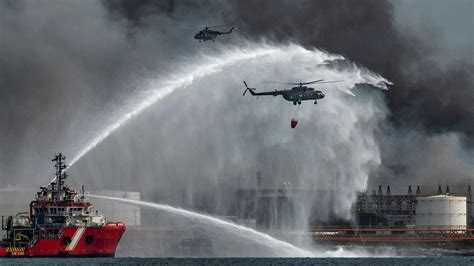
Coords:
228,32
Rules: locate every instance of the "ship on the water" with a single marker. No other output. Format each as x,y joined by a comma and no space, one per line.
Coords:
60,223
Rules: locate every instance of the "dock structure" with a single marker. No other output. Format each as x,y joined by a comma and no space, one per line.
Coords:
393,235
419,216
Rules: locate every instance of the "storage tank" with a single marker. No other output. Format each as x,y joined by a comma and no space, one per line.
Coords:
441,210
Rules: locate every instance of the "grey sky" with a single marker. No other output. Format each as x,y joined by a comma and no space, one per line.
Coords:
452,21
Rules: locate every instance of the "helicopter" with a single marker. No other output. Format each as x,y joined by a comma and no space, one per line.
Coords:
295,94
210,35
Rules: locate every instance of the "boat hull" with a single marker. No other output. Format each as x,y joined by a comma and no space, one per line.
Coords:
98,241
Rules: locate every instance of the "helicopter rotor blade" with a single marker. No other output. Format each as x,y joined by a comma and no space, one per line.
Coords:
277,82
200,27
218,26
189,27
332,81
310,82
319,81
292,83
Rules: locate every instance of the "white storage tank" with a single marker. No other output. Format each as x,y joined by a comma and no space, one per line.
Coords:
441,210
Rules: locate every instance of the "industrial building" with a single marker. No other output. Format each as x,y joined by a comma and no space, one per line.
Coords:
414,209
441,216
277,208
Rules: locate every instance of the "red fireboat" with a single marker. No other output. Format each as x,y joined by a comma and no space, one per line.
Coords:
61,223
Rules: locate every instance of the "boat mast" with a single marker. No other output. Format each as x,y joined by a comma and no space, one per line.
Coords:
61,175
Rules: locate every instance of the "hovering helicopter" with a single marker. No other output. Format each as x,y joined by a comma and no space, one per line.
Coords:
295,94
210,35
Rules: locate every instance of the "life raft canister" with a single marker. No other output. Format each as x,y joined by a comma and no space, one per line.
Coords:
294,122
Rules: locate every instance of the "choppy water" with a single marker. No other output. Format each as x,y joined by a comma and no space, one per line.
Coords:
245,261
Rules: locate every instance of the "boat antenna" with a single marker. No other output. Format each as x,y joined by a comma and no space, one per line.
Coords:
60,166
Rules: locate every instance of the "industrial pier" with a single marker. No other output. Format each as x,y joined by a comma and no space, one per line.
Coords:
380,217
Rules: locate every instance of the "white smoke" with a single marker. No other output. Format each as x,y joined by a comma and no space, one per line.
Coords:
440,158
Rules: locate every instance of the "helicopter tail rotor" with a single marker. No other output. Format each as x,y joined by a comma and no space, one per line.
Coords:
248,89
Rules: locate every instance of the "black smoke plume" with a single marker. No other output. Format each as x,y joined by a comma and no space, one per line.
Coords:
428,100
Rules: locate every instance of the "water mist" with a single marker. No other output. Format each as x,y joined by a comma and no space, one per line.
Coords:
274,246
333,146
262,243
